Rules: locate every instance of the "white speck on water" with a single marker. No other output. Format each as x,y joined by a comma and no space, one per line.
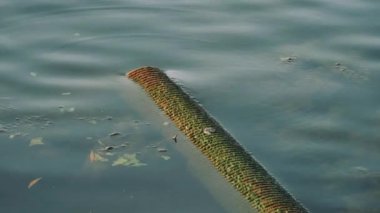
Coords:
14,135
165,157
33,74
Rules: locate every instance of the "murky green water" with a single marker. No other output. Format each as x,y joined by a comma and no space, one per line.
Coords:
295,82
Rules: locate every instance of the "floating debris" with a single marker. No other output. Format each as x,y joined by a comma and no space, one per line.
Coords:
162,150
33,74
109,153
64,109
165,157
108,148
96,157
100,158
128,160
114,134
48,123
66,93
92,156
174,138
166,123
351,74
61,108
36,141
340,67
34,182
288,59
209,130
14,135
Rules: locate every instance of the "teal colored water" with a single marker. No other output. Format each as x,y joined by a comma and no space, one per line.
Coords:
295,82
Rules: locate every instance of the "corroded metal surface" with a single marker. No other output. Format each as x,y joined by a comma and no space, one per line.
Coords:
231,160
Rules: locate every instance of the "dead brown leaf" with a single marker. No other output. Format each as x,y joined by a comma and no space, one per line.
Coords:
34,182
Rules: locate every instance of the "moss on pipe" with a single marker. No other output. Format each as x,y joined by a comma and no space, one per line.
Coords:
247,176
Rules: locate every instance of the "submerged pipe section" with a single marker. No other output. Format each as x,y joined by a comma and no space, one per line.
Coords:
247,176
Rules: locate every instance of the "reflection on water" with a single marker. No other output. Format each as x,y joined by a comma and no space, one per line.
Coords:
295,82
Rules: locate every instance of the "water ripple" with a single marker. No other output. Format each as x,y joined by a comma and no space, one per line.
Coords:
29,18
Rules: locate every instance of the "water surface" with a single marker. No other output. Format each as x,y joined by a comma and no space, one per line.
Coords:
312,121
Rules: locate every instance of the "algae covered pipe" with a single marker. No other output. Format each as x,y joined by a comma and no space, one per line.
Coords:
247,176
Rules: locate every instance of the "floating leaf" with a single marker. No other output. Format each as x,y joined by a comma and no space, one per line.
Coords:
34,182
92,156
100,158
96,157
165,157
128,160
36,141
